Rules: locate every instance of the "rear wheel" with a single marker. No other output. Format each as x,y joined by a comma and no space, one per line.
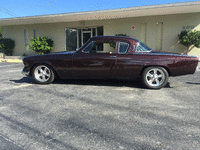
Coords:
155,77
43,74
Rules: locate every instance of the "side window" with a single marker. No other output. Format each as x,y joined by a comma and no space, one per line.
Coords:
123,48
106,47
101,47
142,47
89,47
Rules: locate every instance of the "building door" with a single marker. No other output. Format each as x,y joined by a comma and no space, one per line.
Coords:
75,38
159,36
143,33
86,35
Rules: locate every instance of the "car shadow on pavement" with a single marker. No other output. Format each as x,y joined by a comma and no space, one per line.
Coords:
134,83
193,83
24,80
100,82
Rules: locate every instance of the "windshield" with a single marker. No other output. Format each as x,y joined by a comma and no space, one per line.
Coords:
141,47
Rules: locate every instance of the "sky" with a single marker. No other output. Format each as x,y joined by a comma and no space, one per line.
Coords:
22,8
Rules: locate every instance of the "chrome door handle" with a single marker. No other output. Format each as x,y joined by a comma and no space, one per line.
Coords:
112,56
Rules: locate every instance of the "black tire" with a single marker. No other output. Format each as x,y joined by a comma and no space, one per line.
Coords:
43,74
155,77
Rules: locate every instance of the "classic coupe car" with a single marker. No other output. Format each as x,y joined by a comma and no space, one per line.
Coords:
108,57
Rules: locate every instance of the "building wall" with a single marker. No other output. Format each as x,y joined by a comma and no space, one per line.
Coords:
56,31
148,29
172,26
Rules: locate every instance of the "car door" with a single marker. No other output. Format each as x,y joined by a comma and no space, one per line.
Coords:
96,61
127,65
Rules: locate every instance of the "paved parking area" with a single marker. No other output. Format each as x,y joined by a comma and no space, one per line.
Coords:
96,114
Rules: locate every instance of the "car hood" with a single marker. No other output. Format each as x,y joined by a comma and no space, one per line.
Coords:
46,55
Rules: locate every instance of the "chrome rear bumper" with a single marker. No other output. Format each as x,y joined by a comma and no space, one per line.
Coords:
198,66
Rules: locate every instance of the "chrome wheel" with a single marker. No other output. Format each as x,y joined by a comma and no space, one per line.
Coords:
155,77
43,74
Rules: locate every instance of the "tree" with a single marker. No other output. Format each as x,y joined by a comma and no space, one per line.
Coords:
190,38
42,45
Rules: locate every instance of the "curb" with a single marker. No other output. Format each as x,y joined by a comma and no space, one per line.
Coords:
11,60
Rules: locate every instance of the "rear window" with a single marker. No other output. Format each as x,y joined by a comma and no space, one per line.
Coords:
141,47
123,48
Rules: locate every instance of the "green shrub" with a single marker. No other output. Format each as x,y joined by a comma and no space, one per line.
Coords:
122,34
1,32
7,45
188,38
41,45
24,54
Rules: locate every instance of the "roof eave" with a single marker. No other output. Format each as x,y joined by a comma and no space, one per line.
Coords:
164,9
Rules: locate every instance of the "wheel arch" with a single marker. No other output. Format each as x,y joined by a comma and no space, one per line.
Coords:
47,64
167,69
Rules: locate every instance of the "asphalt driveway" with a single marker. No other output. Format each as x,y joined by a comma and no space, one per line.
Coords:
97,114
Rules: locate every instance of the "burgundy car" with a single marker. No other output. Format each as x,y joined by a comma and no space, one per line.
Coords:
109,57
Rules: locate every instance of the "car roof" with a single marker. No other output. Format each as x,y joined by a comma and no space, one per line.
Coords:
112,38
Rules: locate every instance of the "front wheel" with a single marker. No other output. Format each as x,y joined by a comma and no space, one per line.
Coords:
155,77
43,74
